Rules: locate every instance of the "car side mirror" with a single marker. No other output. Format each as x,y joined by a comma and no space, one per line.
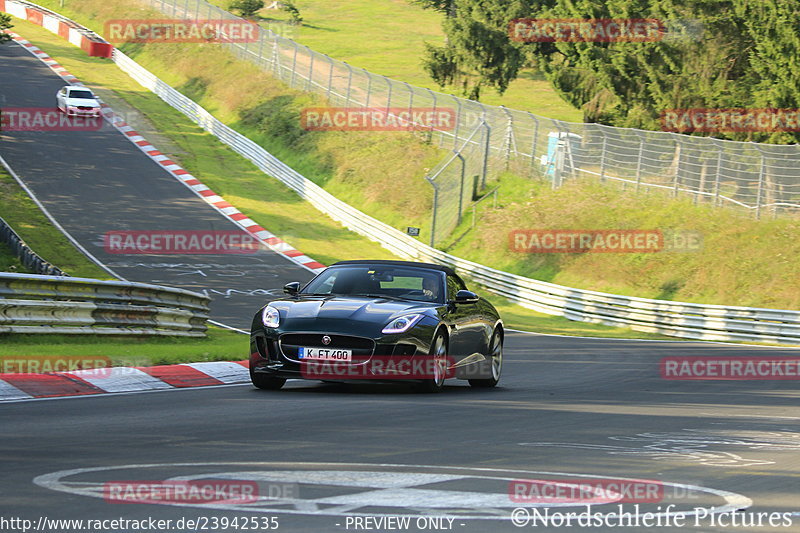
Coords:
466,297
292,288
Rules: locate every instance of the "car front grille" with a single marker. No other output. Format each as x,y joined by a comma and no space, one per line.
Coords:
290,342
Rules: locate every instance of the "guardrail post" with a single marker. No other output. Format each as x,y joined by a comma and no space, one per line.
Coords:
330,79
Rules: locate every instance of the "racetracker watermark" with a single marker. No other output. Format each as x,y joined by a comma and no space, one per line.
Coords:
378,118
730,368
46,364
119,31
382,367
46,119
730,120
564,30
179,242
190,492
585,491
566,241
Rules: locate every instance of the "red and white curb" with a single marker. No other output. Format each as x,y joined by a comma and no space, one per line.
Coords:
273,242
121,379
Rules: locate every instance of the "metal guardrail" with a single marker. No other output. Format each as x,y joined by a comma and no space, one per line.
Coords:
686,320
27,257
31,303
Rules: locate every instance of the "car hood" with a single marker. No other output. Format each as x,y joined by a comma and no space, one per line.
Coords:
345,313
82,102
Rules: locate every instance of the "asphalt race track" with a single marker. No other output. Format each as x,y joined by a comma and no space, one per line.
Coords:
567,409
94,182
333,457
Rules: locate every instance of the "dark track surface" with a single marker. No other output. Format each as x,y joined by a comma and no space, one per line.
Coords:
95,182
565,407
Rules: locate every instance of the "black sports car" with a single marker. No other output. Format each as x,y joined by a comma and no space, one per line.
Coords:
380,320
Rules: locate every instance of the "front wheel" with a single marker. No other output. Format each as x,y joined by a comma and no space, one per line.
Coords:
496,360
266,382
439,365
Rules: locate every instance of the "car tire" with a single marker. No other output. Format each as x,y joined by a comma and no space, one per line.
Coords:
439,354
266,382
496,361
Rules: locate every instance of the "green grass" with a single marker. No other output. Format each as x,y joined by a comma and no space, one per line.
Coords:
220,345
19,211
266,200
388,37
741,261
9,261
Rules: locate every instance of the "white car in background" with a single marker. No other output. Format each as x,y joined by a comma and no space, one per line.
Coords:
78,101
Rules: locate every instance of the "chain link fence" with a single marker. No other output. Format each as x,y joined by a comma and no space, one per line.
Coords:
486,140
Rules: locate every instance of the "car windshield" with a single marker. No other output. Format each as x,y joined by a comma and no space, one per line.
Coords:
81,95
379,281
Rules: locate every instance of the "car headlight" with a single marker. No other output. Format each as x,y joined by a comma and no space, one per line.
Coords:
401,324
270,317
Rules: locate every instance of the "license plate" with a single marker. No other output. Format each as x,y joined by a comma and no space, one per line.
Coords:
325,354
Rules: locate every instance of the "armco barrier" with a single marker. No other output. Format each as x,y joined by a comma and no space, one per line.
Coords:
27,257
52,304
90,42
686,320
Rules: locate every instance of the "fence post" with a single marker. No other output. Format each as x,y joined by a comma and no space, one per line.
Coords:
310,69
369,87
433,95
260,48
677,168
534,143
294,65
434,210
639,163
458,121
603,157
461,186
760,194
349,82
330,79
509,135
410,102
485,167
389,94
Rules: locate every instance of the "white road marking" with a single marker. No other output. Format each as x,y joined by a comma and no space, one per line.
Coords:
411,500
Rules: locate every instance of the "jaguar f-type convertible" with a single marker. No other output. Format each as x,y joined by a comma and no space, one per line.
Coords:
378,320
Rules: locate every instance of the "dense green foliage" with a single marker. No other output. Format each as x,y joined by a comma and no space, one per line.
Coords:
714,54
5,24
246,8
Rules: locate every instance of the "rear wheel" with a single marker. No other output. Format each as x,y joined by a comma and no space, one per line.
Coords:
439,366
266,382
496,361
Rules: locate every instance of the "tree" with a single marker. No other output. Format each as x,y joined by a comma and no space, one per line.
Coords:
447,7
478,52
290,8
5,24
246,8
